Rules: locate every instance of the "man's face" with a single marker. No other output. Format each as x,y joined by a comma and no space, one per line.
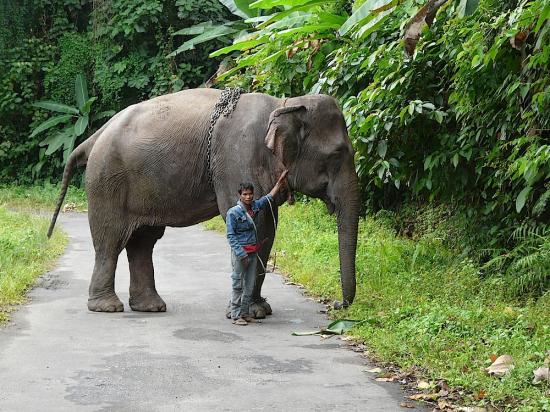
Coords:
247,196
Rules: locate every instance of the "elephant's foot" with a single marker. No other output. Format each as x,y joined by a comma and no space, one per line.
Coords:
266,306
148,301
256,311
108,303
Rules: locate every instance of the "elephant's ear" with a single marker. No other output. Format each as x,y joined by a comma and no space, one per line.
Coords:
286,132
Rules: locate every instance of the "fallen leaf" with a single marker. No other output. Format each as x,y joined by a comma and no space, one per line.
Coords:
406,405
541,374
501,366
385,379
374,370
423,385
480,395
442,404
424,396
443,385
493,357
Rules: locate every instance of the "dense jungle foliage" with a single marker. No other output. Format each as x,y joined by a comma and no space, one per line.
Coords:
452,107
120,48
447,101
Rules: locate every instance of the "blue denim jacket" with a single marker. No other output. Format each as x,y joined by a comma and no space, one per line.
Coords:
240,230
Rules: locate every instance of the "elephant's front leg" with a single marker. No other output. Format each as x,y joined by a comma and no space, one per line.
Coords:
259,308
143,293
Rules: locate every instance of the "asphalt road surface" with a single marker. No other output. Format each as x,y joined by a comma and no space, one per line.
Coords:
55,355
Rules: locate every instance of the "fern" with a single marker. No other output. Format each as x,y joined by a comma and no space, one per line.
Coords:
528,268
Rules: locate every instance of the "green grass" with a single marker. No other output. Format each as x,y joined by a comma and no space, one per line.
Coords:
426,303
40,198
25,254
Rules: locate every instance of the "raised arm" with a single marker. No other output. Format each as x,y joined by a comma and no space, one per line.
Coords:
279,183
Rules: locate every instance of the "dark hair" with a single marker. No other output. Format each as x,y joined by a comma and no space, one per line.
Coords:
246,186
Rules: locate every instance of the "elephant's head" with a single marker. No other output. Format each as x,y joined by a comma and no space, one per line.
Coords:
308,136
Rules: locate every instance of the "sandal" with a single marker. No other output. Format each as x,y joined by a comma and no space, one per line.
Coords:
250,319
240,322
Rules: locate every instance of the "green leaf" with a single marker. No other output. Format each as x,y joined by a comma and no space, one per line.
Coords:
283,14
194,30
307,29
80,90
544,15
438,116
368,10
101,115
522,198
69,146
88,105
80,125
243,45
209,34
269,4
373,25
467,7
50,123
455,160
58,140
56,107
240,8
382,148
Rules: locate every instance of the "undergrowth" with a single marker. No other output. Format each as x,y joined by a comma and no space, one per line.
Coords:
25,253
428,298
40,197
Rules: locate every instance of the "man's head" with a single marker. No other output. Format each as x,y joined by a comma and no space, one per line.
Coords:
246,193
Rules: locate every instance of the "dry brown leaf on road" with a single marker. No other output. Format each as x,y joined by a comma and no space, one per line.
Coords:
424,396
391,379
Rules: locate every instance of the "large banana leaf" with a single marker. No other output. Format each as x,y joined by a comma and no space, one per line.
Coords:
209,33
279,16
269,4
373,24
366,12
80,125
80,91
56,107
54,121
240,8
243,45
56,141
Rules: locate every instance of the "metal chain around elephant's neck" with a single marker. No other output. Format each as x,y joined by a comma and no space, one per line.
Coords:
225,105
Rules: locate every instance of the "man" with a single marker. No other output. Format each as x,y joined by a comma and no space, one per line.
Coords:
243,239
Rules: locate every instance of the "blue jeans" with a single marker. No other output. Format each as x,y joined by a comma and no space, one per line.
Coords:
242,283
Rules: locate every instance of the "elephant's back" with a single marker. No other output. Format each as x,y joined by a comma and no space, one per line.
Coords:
155,149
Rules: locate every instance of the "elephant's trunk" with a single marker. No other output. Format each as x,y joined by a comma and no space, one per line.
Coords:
347,208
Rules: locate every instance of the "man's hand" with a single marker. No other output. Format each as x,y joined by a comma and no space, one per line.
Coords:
245,262
282,177
279,183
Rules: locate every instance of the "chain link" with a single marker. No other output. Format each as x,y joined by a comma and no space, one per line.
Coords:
225,105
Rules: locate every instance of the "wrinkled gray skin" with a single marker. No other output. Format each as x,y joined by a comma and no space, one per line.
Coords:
147,169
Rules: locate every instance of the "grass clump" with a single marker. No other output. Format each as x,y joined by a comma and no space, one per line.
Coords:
427,299
41,197
25,253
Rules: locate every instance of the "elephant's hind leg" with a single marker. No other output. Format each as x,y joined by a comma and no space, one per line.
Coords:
143,293
108,243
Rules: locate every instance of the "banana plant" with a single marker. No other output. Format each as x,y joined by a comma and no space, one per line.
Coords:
74,119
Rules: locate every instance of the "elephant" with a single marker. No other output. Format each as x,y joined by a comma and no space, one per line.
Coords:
152,165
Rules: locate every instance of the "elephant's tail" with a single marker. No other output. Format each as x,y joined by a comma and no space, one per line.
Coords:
79,157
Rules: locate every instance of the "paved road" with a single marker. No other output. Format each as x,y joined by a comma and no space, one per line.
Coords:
55,355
